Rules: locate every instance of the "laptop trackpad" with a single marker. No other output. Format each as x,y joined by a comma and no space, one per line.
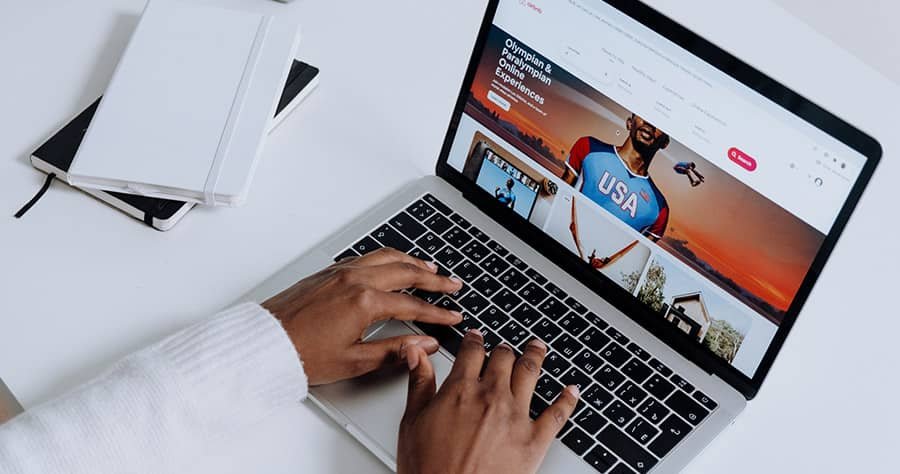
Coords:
374,404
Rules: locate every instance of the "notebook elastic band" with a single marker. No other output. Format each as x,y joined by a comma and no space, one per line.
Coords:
212,179
37,197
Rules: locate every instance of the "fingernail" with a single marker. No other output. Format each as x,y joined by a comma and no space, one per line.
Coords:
455,279
412,360
429,345
474,332
538,344
432,265
573,389
458,315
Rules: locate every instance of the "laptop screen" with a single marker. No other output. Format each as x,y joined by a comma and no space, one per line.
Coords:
703,199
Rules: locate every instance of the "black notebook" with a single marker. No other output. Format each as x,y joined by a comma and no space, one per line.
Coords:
56,154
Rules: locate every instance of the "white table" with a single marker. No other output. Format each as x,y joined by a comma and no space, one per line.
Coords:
81,285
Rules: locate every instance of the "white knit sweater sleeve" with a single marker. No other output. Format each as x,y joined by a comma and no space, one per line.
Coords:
153,409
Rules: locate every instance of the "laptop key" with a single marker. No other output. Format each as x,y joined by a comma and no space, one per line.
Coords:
460,221
568,346
653,411
596,320
393,239
609,377
685,406
448,304
345,254
618,413
516,262
537,277
497,248
682,383
573,323
600,459
479,235
457,237
616,335
546,330
597,397
439,224
430,243
467,271
537,407
577,440
468,323
493,318
487,285
446,337
474,303
621,468
491,340
476,251
513,279
526,315
514,333
556,291
427,296
462,291
555,365
441,207
548,388
638,351
637,370
615,355
705,401
506,300
659,387
419,253
494,265
672,431
641,430
590,421
449,257
594,338
660,367
575,377
408,226
627,449
574,305
553,308
631,394
366,245
420,210
587,361
533,293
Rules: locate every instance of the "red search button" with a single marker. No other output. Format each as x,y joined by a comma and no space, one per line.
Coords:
742,159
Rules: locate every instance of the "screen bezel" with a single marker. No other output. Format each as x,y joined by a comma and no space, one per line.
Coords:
606,288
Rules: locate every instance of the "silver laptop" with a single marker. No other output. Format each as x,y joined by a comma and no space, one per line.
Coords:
651,207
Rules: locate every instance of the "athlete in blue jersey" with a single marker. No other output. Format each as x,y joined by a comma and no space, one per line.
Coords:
506,196
689,169
617,178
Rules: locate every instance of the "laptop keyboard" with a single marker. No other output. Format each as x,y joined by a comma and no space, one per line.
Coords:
633,410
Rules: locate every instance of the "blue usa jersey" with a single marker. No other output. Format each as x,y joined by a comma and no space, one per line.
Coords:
605,179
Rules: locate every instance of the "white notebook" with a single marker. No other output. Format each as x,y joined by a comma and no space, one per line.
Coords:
186,112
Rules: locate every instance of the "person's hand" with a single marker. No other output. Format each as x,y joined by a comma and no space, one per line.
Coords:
326,314
478,424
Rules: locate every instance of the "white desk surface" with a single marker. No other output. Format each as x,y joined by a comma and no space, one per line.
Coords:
82,285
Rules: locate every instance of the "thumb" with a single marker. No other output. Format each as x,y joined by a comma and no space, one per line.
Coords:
422,385
373,355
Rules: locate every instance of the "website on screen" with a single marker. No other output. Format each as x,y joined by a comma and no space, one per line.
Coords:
706,205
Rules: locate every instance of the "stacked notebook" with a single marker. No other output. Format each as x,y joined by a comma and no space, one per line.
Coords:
185,115
55,156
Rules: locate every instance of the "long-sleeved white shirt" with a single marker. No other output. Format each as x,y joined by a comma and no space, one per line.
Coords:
153,409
